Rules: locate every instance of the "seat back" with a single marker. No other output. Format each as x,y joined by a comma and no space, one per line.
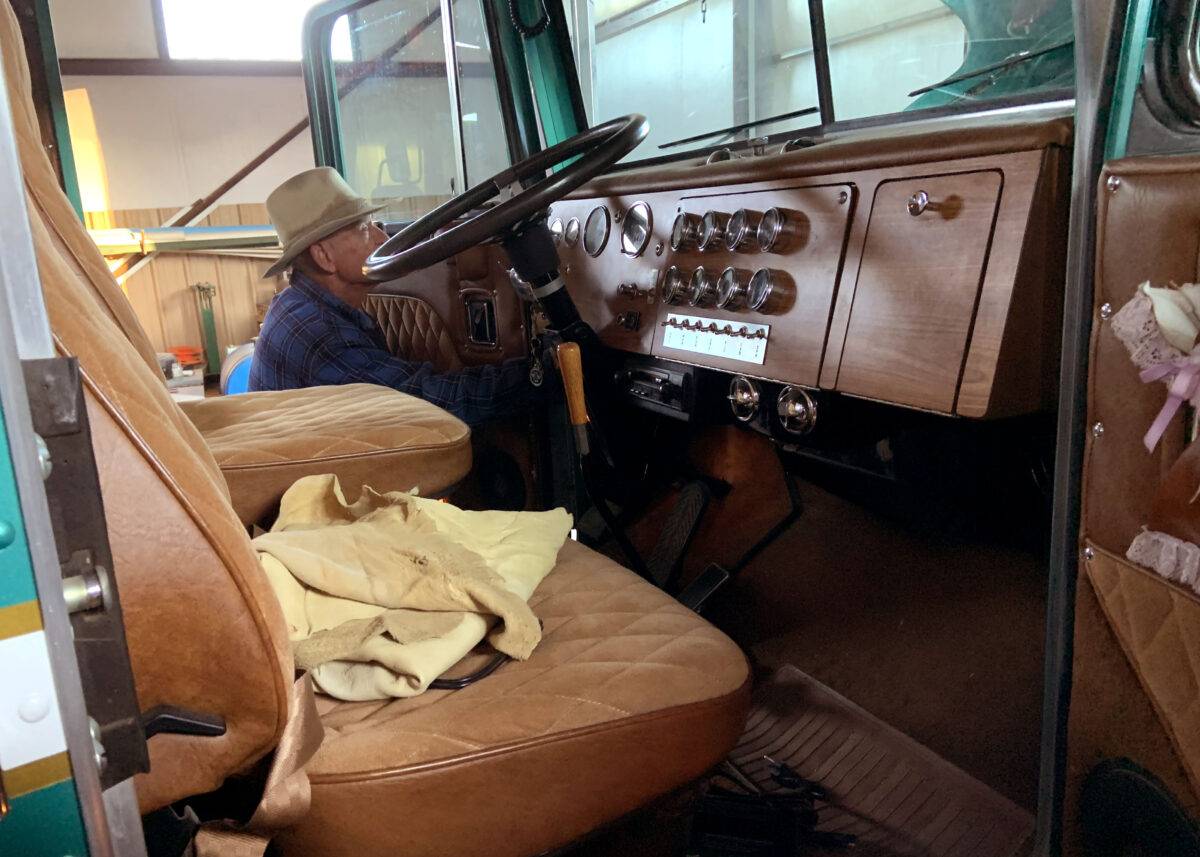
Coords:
205,631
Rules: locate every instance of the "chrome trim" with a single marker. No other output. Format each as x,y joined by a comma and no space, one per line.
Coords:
571,233
796,409
770,291
733,288
607,215
779,230
556,229
702,290
744,398
712,230
742,230
685,231
920,202
674,286
638,214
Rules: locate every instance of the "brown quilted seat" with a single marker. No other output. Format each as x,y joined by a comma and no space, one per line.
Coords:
263,442
414,330
628,695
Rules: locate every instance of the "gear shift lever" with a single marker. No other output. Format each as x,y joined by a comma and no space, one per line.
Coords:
570,367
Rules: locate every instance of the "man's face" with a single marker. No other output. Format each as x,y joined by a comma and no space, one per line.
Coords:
347,249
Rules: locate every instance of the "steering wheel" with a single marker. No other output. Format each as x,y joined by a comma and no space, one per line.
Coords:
422,243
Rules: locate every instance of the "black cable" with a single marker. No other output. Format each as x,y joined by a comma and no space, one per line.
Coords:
529,31
459,683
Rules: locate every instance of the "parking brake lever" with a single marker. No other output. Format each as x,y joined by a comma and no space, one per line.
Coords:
570,367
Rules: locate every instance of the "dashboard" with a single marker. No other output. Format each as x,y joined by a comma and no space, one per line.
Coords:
918,268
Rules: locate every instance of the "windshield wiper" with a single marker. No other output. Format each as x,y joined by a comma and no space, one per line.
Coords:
1015,59
807,111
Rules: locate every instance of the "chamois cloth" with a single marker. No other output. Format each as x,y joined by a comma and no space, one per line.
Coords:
385,594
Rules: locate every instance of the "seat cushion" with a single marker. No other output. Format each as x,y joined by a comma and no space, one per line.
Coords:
365,434
628,696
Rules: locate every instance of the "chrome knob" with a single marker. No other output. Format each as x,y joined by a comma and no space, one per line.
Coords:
673,289
702,290
732,287
685,231
743,398
742,230
796,410
780,230
920,202
712,230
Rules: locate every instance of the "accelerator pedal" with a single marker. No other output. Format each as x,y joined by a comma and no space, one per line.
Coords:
666,560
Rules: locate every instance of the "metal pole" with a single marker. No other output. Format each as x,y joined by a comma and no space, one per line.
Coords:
455,98
816,23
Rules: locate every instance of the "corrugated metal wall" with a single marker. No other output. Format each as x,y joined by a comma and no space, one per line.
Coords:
162,294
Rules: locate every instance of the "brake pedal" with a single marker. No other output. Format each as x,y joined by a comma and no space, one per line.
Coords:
678,531
703,587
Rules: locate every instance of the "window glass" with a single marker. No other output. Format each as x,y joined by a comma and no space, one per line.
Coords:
701,65
397,113
266,30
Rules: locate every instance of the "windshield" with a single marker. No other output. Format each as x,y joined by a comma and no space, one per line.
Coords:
708,72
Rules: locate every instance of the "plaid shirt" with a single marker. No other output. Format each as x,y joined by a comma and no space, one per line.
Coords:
311,337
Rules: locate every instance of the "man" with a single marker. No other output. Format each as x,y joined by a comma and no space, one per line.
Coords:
316,331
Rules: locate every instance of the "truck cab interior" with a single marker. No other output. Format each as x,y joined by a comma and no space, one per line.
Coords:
817,304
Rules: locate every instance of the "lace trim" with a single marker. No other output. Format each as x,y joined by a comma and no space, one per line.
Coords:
1171,557
1134,324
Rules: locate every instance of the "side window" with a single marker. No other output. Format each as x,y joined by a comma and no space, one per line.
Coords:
410,133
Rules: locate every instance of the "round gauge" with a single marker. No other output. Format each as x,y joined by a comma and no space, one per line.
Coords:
742,229
770,228
685,231
702,291
571,233
596,229
674,286
732,287
770,291
635,234
712,230
556,229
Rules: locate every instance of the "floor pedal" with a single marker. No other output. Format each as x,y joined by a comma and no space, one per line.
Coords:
702,588
677,533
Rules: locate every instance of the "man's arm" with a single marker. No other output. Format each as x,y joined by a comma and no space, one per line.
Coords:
473,394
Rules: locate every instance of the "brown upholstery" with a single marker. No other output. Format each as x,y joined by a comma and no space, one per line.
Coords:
1132,673
414,330
628,695
191,587
366,434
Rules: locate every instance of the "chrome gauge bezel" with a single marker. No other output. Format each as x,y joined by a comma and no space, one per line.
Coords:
673,287
770,230
591,248
744,398
712,230
557,229
742,230
571,233
733,287
760,289
702,289
685,231
638,216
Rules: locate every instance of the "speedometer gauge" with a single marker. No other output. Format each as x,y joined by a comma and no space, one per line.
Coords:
596,229
635,234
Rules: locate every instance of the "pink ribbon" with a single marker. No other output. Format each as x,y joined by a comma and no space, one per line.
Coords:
1184,386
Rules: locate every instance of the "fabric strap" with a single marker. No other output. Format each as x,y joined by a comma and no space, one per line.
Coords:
286,795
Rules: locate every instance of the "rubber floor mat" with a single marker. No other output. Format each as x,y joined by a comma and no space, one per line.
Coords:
897,796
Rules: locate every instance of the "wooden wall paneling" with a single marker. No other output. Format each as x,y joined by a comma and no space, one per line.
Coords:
141,288
181,323
917,288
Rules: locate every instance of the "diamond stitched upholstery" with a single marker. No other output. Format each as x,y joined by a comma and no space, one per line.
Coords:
263,442
620,662
1158,625
414,330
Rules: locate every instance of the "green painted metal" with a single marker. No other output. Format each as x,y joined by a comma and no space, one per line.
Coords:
16,572
511,49
58,107
44,823
552,74
320,83
1129,76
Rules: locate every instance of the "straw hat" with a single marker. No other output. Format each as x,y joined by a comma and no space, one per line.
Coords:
311,206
